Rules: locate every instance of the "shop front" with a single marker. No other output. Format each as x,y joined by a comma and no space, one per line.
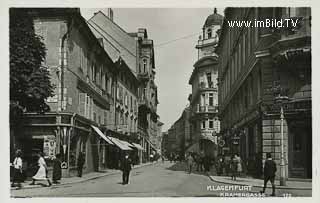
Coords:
51,133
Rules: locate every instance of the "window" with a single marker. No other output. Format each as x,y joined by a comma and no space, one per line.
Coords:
85,105
202,101
203,126
144,65
103,81
209,33
209,79
211,124
210,99
105,115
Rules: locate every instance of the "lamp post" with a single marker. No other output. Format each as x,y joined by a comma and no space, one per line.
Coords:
280,99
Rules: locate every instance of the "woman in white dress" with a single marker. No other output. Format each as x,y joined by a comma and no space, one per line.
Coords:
42,171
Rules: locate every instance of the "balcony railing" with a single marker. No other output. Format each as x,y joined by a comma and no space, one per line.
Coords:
206,109
209,85
143,75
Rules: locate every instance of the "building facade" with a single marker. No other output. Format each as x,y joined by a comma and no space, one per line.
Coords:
96,97
136,51
205,124
83,75
256,66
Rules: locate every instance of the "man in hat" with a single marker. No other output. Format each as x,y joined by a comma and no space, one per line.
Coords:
269,172
126,168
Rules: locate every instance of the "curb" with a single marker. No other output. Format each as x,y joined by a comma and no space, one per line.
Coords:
260,186
86,179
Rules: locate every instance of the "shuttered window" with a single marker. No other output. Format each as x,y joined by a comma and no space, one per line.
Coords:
82,102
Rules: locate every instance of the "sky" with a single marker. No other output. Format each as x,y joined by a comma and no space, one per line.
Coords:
175,32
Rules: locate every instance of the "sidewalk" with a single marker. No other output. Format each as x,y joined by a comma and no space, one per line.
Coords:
291,184
71,180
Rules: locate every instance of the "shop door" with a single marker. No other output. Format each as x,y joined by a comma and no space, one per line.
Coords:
300,150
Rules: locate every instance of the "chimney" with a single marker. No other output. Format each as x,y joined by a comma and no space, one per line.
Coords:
110,14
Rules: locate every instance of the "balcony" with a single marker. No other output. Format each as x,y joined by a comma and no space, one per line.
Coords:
207,86
143,76
207,42
206,109
208,134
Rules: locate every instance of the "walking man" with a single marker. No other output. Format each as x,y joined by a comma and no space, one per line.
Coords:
126,168
190,161
269,171
81,160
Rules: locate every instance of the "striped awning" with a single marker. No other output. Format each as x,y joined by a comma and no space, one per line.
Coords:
137,146
98,131
121,144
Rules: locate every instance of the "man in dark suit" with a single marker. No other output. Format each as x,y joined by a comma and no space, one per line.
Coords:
126,168
81,160
269,171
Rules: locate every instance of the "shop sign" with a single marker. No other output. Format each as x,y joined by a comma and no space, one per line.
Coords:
49,146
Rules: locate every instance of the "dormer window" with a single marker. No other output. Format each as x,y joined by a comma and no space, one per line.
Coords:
209,33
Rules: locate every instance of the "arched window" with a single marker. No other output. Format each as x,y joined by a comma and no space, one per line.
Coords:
209,33
144,65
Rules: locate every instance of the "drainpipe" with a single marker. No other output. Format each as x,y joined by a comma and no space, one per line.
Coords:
70,130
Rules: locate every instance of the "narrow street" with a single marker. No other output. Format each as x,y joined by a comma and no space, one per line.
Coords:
158,180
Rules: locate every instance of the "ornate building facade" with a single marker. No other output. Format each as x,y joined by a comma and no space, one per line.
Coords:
205,124
258,68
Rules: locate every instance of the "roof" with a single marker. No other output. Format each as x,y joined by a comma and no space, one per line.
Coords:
202,62
116,41
213,19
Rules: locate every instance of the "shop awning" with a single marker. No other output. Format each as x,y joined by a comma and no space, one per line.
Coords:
126,143
120,143
137,146
98,131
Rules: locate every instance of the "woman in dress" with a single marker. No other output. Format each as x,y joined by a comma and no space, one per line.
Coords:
42,171
17,169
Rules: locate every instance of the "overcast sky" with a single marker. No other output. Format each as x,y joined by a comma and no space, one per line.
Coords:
173,60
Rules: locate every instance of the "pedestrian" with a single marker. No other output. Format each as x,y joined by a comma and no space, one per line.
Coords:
197,161
234,166
227,164
81,160
206,163
56,175
220,166
269,172
201,161
17,169
151,158
239,165
190,162
42,173
162,158
126,167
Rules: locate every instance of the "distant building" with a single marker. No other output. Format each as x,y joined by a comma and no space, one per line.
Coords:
179,134
205,124
256,66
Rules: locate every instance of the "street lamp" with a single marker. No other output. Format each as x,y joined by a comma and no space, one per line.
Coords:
281,99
